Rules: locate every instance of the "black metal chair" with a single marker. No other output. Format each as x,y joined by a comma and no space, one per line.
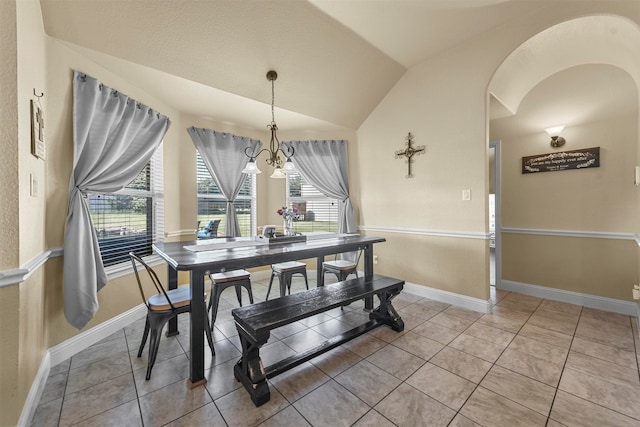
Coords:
341,268
285,271
221,281
160,308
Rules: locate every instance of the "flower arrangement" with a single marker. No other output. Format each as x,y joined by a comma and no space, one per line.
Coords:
288,213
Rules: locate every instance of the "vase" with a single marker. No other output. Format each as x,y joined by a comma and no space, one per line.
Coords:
288,226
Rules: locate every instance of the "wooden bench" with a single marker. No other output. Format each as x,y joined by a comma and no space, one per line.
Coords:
254,323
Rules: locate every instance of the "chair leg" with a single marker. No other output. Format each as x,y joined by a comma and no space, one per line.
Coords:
239,294
247,286
145,334
306,282
270,283
207,330
215,295
154,343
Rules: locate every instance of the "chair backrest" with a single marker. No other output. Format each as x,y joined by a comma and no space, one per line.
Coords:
353,257
212,227
154,279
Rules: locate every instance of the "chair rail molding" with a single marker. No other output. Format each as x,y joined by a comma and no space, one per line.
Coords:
573,233
427,232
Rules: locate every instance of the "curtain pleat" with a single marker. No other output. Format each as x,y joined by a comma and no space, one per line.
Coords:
114,138
223,155
324,164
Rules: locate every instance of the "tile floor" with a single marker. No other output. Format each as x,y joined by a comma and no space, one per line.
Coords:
531,362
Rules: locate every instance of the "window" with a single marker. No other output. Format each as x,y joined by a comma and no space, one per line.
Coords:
213,205
131,219
317,212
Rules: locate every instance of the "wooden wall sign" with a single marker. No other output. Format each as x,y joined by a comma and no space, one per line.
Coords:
564,160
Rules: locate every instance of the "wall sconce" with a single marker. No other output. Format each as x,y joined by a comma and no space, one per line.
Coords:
556,139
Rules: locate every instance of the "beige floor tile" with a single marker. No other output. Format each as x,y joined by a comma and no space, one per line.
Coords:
335,361
164,373
418,310
418,345
619,397
331,328
556,321
476,347
220,379
354,317
47,413
94,400
386,334
490,334
592,332
406,406
368,382
287,330
524,306
490,409
500,322
523,390
54,387
60,368
552,353
364,345
546,335
561,307
331,405
97,372
462,421
127,414
576,412
604,352
618,328
456,323
99,351
172,402
237,409
603,369
462,364
288,417
304,340
442,385
436,332
399,363
272,353
463,312
297,382
206,415
531,366
605,316
502,311
373,419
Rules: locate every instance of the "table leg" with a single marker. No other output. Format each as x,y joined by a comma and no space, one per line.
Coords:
172,328
368,274
319,275
198,313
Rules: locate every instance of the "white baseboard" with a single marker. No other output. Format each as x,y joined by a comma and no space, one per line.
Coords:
35,392
594,301
470,303
76,344
67,349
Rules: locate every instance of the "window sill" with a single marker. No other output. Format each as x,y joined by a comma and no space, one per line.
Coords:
125,268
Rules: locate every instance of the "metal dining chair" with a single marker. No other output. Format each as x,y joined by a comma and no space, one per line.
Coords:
224,280
341,268
285,271
161,307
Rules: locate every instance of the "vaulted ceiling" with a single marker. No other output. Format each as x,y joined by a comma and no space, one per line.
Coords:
209,58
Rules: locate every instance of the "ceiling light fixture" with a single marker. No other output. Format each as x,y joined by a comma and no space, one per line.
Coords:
275,148
554,133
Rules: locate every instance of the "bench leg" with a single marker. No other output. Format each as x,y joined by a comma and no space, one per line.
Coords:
249,370
386,313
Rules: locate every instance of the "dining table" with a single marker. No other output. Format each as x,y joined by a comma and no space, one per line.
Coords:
202,257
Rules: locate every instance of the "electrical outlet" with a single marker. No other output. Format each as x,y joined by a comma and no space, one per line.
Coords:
636,292
375,259
466,194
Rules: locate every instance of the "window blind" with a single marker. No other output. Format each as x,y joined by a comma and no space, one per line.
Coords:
317,212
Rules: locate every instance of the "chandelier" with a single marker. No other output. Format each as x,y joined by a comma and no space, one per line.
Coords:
275,148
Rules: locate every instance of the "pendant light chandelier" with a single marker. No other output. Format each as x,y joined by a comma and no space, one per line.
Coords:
275,148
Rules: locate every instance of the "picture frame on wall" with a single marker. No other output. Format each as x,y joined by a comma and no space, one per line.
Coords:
38,147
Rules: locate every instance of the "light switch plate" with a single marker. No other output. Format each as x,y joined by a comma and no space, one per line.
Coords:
33,185
466,194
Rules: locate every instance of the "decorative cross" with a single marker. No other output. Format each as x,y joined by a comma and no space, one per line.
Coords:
40,122
409,152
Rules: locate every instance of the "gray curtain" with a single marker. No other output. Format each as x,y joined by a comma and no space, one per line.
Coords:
223,155
324,164
113,139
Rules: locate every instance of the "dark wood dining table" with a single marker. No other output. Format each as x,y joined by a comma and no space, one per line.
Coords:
202,257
